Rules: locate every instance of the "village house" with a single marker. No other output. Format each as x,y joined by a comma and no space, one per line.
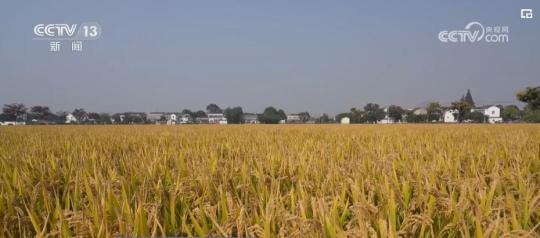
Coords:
201,120
6,120
492,113
129,117
419,111
70,119
168,118
154,116
184,119
251,118
12,123
450,116
345,120
216,118
293,118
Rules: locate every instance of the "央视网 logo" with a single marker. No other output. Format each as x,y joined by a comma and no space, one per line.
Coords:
476,32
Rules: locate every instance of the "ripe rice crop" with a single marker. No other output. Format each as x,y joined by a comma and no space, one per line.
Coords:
270,181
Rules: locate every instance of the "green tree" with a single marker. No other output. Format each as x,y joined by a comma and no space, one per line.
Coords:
80,114
234,115
105,118
468,98
395,113
531,96
200,114
324,119
463,108
511,113
272,116
94,116
531,116
282,114
304,116
434,111
413,118
355,115
40,112
189,112
213,108
14,111
476,117
372,113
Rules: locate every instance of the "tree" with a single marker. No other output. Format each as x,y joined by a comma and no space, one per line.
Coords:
100,118
434,111
282,114
413,118
468,98
188,112
94,116
234,115
213,108
105,118
511,113
373,113
462,107
324,119
532,116
61,117
130,118
356,116
199,113
395,112
531,96
271,116
40,112
476,117
304,116
80,114
14,111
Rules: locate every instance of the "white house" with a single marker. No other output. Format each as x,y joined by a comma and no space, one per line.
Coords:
419,111
216,118
170,118
12,123
292,118
493,113
250,118
70,119
184,119
449,116
345,120
154,116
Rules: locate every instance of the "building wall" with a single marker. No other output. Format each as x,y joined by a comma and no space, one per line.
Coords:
449,116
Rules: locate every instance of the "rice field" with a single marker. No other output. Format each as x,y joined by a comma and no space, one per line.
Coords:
270,181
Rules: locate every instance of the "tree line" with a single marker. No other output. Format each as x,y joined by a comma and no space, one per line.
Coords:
370,113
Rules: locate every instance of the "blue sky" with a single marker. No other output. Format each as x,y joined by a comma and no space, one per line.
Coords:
319,56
